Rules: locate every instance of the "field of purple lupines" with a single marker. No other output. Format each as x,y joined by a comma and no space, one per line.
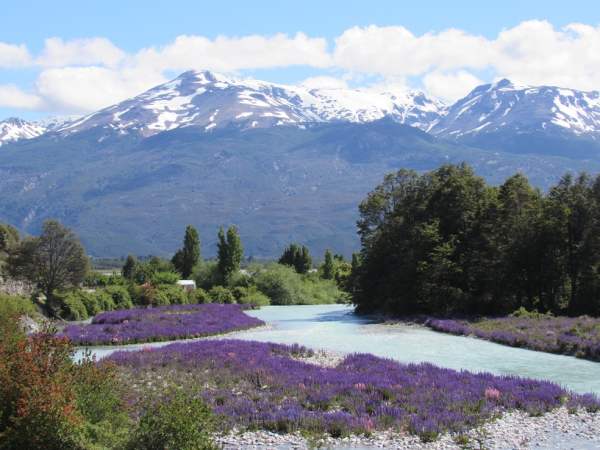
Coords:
252,385
576,336
161,324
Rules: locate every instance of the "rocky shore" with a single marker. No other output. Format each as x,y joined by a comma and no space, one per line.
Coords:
516,430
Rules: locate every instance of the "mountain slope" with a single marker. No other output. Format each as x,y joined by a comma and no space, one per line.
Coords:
128,193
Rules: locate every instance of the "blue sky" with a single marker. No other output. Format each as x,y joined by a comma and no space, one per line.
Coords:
394,43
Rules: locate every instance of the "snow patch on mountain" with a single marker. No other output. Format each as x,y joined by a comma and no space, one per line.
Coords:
209,100
14,129
506,106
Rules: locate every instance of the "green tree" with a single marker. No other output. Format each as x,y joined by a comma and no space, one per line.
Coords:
230,252
53,261
128,270
187,257
297,257
328,267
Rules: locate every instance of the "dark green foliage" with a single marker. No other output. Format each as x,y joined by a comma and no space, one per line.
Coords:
129,267
72,306
187,257
445,242
176,421
80,304
198,295
250,295
230,252
328,267
284,286
298,257
55,260
120,297
220,294
169,277
168,294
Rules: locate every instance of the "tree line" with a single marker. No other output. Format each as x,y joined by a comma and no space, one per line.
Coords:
445,242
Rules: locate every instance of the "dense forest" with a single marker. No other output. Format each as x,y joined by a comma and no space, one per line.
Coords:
445,242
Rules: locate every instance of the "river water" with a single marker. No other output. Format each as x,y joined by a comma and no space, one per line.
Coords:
336,328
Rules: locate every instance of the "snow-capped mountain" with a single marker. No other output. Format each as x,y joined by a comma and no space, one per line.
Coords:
212,101
504,107
14,129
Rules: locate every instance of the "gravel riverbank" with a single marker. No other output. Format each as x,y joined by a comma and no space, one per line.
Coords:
556,430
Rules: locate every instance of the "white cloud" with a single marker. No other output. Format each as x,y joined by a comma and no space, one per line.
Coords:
14,55
450,86
58,53
395,51
228,54
13,97
533,52
83,75
84,89
324,82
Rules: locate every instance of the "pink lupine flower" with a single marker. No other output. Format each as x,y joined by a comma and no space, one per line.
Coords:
492,394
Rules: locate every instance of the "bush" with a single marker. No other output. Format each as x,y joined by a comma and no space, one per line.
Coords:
178,421
280,283
284,286
72,306
13,306
220,294
198,295
160,278
120,297
169,295
207,275
49,402
250,296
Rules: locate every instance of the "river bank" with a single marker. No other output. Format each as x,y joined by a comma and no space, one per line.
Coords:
514,430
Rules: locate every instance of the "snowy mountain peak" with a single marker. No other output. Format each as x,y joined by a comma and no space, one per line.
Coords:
210,100
14,129
505,106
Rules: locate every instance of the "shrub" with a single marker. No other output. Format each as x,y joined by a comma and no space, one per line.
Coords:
49,402
13,306
177,421
160,278
198,295
280,283
250,296
168,294
120,297
71,306
220,294
206,275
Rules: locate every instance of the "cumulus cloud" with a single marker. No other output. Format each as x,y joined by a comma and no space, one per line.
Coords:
58,53
395,51
84,89
450,86
533,52
83,75
231,54
14,55
13,97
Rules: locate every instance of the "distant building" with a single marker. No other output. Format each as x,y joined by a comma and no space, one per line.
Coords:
188,285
